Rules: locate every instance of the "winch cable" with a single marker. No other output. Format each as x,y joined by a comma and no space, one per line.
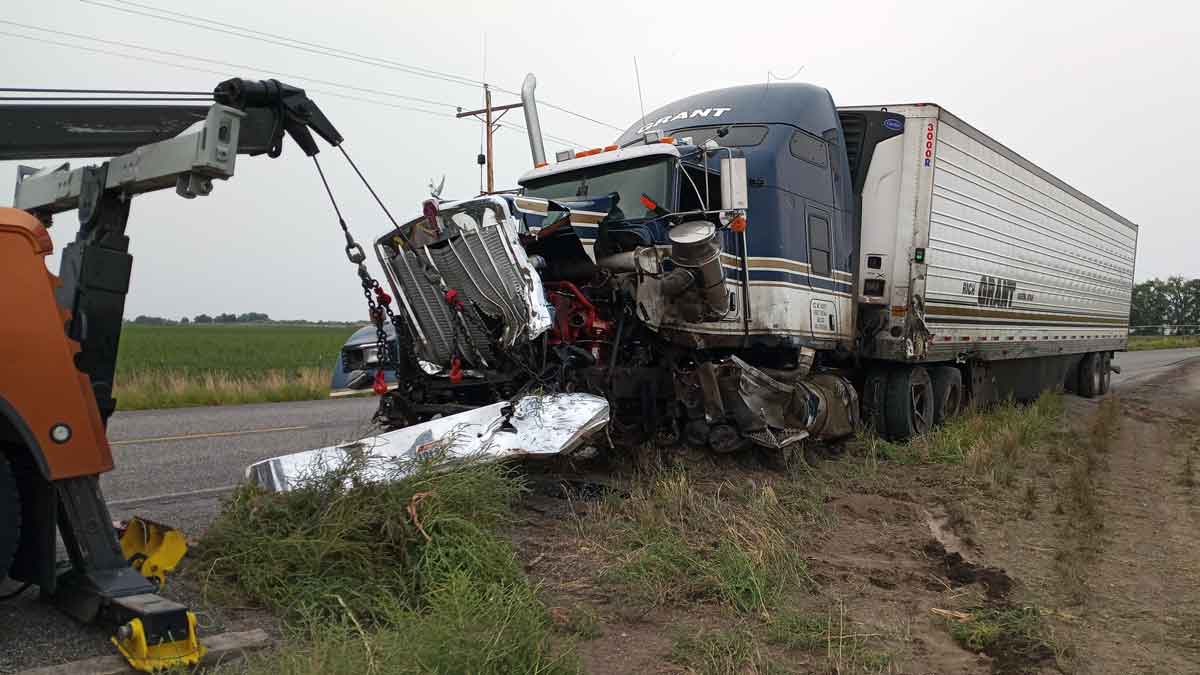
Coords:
140,92
451,295
379,304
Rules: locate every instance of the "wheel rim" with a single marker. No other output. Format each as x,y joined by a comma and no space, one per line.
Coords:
919,396
1097,379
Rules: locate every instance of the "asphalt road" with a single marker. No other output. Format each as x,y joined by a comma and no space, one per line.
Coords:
173,466
1140,366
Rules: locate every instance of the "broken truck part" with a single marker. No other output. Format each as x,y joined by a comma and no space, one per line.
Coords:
756,266
532,426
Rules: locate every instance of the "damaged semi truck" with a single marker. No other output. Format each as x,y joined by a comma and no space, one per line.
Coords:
756,266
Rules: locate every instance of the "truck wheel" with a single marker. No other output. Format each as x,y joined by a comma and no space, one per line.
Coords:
1089,376
1105,373
873,398
10,517
947,393
909,404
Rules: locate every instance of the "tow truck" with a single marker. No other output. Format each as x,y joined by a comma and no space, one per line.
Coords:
60,333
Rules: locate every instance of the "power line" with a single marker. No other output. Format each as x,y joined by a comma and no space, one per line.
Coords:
216,26
209,24
160,62
85,99
226,64
107,91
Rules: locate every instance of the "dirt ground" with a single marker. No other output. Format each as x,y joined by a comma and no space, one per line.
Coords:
1091,548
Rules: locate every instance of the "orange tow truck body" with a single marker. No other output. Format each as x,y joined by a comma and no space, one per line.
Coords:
40,388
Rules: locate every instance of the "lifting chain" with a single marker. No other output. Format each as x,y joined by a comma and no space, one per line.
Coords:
379,309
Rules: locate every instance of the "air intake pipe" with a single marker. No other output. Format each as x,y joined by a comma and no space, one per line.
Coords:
529,105
696,252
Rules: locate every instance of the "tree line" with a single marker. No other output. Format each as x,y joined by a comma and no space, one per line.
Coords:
247,317
1174,302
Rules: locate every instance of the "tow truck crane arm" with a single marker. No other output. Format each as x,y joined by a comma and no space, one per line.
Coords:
56,386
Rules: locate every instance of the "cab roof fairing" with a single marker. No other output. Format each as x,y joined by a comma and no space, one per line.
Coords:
805,106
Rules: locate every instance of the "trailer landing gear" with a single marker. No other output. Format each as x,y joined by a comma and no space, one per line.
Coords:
947,393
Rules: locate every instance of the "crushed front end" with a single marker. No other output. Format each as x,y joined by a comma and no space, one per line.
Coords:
617,274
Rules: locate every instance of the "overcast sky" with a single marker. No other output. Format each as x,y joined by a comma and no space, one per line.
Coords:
1102,94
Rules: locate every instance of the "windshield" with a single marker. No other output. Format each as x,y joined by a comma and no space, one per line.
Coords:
629,180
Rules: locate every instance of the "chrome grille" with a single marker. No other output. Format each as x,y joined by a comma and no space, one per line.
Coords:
480,265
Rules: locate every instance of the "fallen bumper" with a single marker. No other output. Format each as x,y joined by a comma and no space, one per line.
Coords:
538,425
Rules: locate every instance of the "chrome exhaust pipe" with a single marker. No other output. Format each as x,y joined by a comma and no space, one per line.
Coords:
529,105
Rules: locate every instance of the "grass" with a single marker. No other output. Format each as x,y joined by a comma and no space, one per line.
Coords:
1139,343
174,366
1079,501
729,652
677,541
798,631
1016,637
991,444
400,577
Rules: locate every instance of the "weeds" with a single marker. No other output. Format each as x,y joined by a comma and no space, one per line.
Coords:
798,631
148,389
991,444
679,542
367,587
1141,343
1079,501
731,652
1016,637
1029,505
584,622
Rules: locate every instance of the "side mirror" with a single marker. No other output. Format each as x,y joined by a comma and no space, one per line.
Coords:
734,190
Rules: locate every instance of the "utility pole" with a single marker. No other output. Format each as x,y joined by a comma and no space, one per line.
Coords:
490,125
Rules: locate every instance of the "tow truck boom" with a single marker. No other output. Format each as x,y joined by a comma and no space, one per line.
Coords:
56,385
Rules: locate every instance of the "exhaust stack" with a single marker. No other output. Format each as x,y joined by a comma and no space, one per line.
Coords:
529,104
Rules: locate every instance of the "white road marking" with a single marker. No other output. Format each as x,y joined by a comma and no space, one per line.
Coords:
214,434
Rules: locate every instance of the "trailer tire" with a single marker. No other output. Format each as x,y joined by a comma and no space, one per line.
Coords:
909,404
1105,373
947,393
1089,375
874,398
10,517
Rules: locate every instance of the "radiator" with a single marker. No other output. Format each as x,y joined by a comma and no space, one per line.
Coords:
502,294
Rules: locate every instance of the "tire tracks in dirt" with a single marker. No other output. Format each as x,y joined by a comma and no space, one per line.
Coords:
1143,610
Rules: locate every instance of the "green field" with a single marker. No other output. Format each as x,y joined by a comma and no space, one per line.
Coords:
171,366
1139,343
